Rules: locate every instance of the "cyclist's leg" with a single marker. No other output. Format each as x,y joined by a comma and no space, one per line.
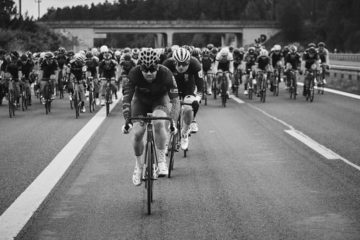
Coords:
82,96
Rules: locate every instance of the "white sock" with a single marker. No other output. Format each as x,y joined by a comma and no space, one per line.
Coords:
138,161
161,155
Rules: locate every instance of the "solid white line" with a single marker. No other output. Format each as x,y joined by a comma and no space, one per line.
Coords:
337,92
317,147
324,151
238,100
22,209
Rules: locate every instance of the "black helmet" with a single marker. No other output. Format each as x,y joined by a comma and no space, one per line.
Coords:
321,44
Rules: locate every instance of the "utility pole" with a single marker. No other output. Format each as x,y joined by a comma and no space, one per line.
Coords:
38,2
20,8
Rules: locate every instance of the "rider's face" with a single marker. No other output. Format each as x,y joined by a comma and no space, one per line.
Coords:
149,73
182,67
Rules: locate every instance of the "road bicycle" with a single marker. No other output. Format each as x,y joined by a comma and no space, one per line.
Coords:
276,79
237,81
251,82
293,84
108,95
25,97
91,89
262,83
322,78
150,168
310,84
11,98
47,97
204,92
223,81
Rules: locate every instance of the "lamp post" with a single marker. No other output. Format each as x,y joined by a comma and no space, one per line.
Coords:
38,2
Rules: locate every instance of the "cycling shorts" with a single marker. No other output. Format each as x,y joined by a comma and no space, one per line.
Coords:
139,108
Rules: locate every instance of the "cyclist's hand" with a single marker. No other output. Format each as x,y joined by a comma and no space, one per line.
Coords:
172,128
126,128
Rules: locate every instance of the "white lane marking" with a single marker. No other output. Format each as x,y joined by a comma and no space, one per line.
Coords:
22,209
317,147
337,92
238,100
324,151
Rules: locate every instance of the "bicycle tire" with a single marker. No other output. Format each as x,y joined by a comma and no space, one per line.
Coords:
91,101
172,153
23,102
11,104
76,106
312,93
149,178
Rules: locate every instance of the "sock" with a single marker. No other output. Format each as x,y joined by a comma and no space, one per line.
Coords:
161,155
138,161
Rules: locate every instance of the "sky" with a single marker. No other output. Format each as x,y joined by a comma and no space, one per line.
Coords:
31,6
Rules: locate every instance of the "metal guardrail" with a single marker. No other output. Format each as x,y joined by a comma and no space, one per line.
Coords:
345,57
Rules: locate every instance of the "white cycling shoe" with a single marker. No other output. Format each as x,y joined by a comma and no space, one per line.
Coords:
184,140
194,127
136,177
163,169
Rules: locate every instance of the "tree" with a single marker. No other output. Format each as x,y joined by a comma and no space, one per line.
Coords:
291,21
7,10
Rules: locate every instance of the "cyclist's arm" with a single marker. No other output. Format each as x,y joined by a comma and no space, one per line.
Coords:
174,100
128,93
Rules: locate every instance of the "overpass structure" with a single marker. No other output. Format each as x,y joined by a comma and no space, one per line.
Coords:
239,32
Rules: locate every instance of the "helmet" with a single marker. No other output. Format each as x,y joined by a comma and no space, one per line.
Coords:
205,52
82,52
95,51
293,48
231,48
210,46
224,51
117,53
242,50
104,49
264,52
251,49
49,55
174,48
312,50
236,51
42,55
62,50
277,47
127,50
148,57
214,50
181,55
89,55
196,52
310,45
321,44
135,51
79,58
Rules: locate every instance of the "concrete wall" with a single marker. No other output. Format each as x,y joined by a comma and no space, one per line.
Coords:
85,36
250,34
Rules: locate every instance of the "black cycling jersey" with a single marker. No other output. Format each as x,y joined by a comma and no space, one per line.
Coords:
127,66
26,68
76,69
148,92
12,67
275,58
62,60
49,68
293,59
310,60
91,64
263,62
187,81
107,68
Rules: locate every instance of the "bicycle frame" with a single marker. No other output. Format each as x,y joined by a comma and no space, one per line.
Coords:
293,84
262,83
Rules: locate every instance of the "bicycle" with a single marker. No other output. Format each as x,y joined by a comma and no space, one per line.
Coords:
293,84
150,157
2,90
261,80
223,80
47,97
76,98
108,95
25,98
237,82
250,84
322,81
11,98
61,84
204,92
91,89
276,79
310,84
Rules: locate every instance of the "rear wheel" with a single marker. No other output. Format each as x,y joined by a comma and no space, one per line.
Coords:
149,176
172,153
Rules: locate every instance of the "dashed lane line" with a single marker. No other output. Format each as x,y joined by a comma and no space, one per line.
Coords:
15,218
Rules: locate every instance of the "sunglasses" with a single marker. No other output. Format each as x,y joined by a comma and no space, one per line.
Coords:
148,69
183,64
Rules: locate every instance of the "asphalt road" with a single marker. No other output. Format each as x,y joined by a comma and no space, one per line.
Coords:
244,178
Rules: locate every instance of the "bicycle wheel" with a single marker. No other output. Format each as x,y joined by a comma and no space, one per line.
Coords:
91,101
263,90
76,105
11,104
23,102
312,90
149,175
173,138
107,100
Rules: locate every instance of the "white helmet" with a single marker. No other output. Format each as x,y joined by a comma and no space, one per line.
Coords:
104,48
94,51
117,53
264,52
181,55
277,47
224,51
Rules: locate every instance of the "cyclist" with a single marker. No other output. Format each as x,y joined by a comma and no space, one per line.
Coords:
250,60
276,61
224,62
263,62
27,66
150,89
292,61
324,59
92,70
77,68
107,69
207,64
48,72
238,55
63,61
12,66
310,59
135,55
188,74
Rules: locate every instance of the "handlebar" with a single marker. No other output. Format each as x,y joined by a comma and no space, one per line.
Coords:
150,118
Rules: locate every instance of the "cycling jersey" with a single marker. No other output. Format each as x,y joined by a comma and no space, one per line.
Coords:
263,62
77,70
26,68
48,68
127,66
91,65
237,60
250,59
107,68
12,67
324,55
206,63
224,61
62,60
147,93
275,58
293,59
188,80
309,61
